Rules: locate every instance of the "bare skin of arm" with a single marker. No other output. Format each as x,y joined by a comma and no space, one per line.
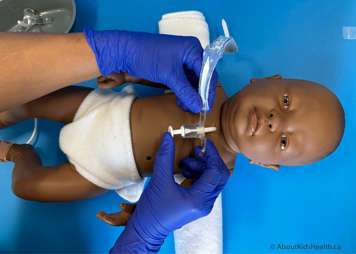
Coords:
47,62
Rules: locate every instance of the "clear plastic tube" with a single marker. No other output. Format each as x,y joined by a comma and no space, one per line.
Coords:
212,54
34,132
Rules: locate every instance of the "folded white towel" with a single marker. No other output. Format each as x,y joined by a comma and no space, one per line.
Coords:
202,236
184,14
186,23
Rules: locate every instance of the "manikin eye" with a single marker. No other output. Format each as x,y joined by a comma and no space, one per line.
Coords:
283,142
285,106
285,101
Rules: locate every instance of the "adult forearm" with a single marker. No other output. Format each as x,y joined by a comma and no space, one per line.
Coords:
32,65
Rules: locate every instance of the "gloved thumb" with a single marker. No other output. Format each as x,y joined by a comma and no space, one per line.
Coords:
187,94
164,162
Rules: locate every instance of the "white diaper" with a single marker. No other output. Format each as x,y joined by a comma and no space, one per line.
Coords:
98,142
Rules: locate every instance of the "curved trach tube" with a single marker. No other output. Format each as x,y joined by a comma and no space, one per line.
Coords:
225,28
212,54
203,145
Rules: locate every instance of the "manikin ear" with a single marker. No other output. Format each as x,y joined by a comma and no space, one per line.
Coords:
277,76
271,166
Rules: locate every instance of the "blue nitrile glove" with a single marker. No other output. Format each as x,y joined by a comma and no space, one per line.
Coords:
166,206
194,166
194,80
160,58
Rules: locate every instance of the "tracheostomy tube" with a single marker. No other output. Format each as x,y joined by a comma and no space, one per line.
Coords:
211,55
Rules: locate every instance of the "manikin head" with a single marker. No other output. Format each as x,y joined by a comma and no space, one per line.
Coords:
275,121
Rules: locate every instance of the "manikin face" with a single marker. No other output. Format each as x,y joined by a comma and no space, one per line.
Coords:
283,121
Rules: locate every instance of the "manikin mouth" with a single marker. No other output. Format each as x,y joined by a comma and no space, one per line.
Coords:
252,122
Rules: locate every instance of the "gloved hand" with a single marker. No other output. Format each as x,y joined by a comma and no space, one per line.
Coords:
159,58
165,206
194,166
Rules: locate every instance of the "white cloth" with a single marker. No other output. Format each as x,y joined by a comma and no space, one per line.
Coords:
202,236
185,23
98,142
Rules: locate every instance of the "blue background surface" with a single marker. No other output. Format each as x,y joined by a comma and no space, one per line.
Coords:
297,205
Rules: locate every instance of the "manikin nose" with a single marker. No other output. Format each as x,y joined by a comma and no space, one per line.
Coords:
273,120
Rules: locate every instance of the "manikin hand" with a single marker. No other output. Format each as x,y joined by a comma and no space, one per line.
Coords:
118,79
112,80
119,218
174,61
165,206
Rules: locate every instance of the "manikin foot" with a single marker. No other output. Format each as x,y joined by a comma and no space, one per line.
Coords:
12,116
4,149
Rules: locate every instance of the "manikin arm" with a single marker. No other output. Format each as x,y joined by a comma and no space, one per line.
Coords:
32,65
118,79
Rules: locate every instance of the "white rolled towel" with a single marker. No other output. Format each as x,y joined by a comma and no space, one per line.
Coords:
185,23
184,14
202,236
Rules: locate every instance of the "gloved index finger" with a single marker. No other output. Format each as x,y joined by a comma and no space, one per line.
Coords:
194,58
164,162
191,64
